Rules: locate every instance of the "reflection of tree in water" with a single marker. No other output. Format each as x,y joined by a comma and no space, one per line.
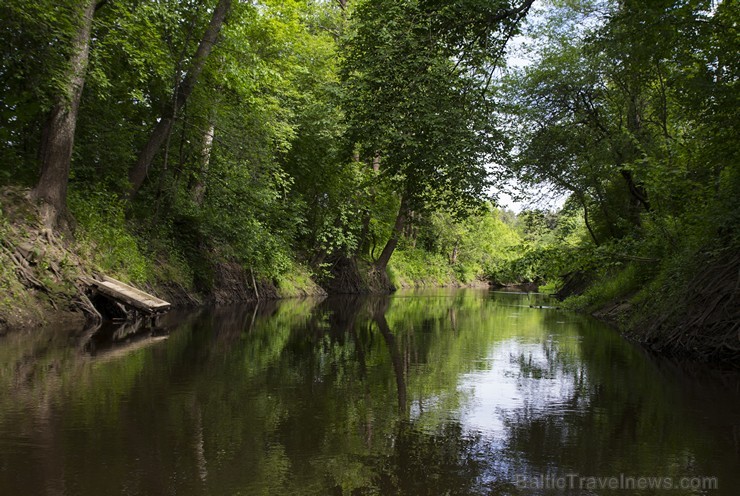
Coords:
343,363
360,395
594,410
380,307
411,458
420,463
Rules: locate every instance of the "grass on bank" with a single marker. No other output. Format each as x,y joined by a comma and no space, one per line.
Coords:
415,268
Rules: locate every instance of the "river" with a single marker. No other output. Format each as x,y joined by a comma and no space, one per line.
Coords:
444,392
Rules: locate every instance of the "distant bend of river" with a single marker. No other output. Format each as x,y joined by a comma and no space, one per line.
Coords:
444,392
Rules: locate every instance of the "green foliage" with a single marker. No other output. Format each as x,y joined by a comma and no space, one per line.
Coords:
621,111
105,239
443,250
414,267
418,104
617,284
544,246
270,182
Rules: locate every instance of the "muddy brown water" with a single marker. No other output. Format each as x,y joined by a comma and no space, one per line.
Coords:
445,392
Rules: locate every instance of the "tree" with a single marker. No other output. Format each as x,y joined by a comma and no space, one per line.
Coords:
58,133
182,91
629,106
593,109
416,76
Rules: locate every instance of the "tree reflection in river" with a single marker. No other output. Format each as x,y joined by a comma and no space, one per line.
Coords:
451,392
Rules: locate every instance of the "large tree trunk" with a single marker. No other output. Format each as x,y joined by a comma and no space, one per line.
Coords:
139,171
390,246
58,133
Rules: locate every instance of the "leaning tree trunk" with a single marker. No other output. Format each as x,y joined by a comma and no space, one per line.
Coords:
58,133
396,359
390,246
139,171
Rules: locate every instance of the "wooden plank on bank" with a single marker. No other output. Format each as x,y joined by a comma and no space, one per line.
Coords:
130,295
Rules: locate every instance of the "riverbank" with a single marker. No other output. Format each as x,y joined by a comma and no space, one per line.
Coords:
689,315
42,271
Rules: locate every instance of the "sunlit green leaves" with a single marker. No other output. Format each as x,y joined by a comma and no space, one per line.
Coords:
411,103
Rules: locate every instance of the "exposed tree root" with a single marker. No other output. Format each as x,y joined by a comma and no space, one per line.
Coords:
46,271
86,306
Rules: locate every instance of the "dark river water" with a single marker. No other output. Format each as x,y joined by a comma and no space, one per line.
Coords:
460,392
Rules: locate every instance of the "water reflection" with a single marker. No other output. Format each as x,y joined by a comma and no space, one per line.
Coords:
448,392
112,340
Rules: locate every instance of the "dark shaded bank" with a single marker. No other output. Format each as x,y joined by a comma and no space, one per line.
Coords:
348,275
692,317
702,322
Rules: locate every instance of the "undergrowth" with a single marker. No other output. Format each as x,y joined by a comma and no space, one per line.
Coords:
617,283
412,267
105,238
297,281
